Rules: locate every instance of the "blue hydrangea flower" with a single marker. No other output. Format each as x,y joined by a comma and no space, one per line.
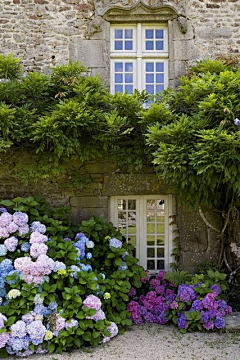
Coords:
88,255
3,250
123,267
115,243
25,246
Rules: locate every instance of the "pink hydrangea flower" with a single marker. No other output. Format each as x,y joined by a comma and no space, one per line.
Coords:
12,227
92,302
37,238
38,249
5,219
4,337
11,243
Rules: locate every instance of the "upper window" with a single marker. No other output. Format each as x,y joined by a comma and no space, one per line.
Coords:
139,58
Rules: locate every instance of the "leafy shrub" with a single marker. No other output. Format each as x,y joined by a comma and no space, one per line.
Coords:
10,67
54,295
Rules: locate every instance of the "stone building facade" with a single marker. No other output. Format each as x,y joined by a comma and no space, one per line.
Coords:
44,33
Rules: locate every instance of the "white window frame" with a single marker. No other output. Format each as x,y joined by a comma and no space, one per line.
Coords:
138,55
141,225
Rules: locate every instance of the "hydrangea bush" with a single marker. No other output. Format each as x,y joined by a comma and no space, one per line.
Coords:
189,306
54,294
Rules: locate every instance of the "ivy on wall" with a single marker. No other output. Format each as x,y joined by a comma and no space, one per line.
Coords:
67,116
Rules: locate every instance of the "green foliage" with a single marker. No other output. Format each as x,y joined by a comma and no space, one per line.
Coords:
208,279
10,67
198,150
68,115
177,277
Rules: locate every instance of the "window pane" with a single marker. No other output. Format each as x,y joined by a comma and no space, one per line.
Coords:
150,240
118,88
149,78
160,67
150,89
118,78
129,89
160,252
118,45
160,264
118,67
159,88
150,228
159,78
150,265
149,45
150,252
149,67
128,45
128,67
128,78
159,45
118,34
128,34
160,240
132,204
149,34
159,34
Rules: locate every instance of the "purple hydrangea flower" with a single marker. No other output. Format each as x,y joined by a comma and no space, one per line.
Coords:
38,227
36,331
186,293
72,323
18,329
208,325
182,322
216,289
219,322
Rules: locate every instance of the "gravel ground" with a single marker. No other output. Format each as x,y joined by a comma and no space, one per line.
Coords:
154,342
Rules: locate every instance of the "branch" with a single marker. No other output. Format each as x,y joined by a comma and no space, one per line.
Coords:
207,223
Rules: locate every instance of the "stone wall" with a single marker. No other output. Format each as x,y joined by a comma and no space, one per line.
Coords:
44,33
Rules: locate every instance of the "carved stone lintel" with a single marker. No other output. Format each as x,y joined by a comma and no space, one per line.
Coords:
139,12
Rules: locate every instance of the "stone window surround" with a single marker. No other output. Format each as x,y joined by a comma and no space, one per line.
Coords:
159,15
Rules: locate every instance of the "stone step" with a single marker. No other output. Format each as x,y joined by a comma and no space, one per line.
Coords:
233,322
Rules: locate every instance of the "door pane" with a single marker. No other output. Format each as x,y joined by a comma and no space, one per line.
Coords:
150,252
150,240
150,265
160,265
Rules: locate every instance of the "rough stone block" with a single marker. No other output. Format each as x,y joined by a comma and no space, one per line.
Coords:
79,214
89,202
209,33
185,50
90,53
125,184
